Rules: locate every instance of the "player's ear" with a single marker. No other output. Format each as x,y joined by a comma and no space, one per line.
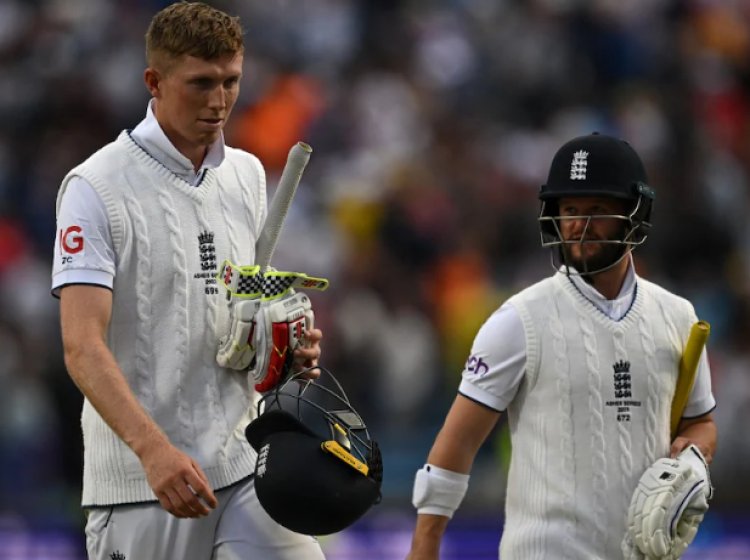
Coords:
152,77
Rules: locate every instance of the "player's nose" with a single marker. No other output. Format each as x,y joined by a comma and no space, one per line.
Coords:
217,98
576,227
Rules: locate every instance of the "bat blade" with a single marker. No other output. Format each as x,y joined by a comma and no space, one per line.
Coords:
296,162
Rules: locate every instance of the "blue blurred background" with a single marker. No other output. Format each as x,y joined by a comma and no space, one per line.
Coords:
433,124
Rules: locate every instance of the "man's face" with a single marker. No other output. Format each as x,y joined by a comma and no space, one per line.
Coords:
581,225
194,98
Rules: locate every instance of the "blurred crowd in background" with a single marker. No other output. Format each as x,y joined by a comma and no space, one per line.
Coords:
433,125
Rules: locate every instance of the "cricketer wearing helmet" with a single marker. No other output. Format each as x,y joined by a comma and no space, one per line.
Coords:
585,364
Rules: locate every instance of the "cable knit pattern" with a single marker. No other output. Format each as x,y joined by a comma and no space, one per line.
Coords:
652,402
565,407
250,199
598,442
163,317
260,201
538,493
211,307
670,315
226,208
672,330
180,295
592,431
143,303
623,431
211,343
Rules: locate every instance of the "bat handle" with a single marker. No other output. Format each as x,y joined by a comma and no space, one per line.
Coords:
296,162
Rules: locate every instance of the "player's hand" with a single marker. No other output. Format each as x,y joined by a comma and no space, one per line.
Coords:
681,443
669,504
307,355
178,482
677,446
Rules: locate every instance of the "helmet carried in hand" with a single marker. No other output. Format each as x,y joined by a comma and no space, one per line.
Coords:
318,469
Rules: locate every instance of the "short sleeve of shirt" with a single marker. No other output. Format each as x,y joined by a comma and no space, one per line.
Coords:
84,252
701,399
497,362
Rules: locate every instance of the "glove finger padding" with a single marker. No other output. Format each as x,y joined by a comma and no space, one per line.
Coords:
696,504
268,320
237,349
687,528
267,332
629,549
668,505
281,325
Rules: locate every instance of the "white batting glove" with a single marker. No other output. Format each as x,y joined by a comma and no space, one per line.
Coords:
630,550
266,332
237,349
691,515
281,326
669,504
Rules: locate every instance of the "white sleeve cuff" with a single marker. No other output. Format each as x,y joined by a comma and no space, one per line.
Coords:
468,389
94,277
699,408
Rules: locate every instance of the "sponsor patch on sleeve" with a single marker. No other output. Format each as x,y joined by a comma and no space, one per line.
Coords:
72,243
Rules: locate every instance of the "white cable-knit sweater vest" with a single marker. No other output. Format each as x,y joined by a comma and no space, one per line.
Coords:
590,416
168,313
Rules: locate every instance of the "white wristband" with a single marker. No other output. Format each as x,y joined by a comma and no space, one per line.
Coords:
438,491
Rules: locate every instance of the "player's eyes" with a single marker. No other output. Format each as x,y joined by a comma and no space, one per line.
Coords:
202,83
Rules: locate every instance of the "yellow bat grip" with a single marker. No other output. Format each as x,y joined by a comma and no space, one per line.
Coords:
688,366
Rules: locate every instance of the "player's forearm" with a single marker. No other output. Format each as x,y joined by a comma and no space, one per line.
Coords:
85,313
428,535
440,486
452,453
94,370
699,431
465,429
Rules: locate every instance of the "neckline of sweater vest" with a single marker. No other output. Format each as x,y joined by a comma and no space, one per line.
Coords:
629,318
197,192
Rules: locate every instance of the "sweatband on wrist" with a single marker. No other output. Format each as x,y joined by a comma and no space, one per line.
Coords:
438,491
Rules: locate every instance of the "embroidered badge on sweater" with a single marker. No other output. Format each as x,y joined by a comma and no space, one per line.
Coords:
207,255
623,391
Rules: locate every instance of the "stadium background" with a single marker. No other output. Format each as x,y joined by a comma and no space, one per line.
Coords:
433,124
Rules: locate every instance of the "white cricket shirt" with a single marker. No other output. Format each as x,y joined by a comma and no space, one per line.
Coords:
84,253
497,363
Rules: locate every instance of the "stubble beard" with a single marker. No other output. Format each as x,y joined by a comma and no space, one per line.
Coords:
605,256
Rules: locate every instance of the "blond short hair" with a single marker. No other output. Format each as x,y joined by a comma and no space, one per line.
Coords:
191,28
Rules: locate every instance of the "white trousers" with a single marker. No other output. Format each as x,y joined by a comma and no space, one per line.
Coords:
238,529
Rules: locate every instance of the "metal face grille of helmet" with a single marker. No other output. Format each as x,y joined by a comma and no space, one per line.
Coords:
597,165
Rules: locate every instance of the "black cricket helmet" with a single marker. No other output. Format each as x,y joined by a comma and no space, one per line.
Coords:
597,165
318,469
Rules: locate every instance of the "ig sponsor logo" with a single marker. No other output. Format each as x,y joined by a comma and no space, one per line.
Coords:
71,243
